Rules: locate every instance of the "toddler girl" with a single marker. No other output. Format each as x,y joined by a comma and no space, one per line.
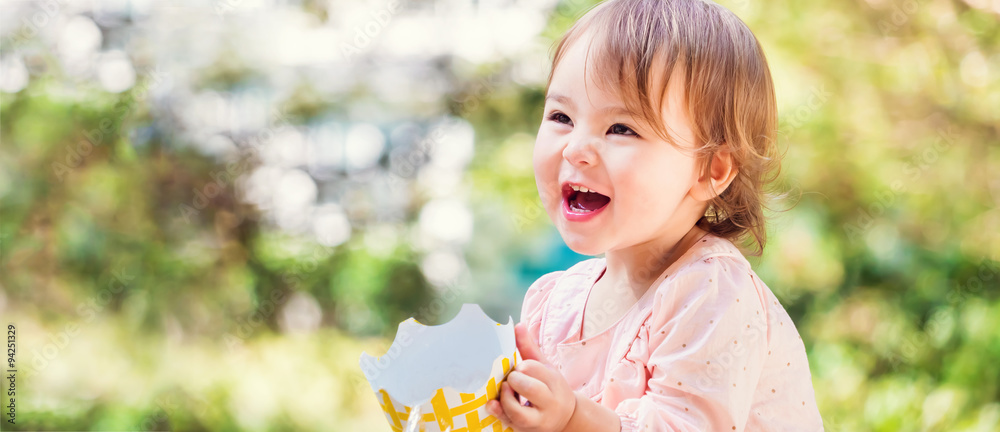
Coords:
656,142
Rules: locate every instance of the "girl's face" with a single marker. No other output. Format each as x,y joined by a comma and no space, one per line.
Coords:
641,188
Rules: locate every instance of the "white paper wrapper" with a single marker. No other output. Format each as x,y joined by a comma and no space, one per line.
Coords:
446,373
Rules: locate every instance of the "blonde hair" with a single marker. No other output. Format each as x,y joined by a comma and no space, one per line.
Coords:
729,93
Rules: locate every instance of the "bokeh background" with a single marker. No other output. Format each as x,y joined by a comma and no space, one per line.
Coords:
211,208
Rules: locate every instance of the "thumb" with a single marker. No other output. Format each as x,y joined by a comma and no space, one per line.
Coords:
526,344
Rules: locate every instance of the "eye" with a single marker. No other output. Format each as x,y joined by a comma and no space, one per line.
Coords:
620,129
559,117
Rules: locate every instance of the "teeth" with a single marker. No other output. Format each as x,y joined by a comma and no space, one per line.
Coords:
580,189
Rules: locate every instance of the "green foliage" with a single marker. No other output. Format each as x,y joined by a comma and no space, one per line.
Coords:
161,305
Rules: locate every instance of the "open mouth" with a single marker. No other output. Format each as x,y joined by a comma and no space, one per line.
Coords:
582,200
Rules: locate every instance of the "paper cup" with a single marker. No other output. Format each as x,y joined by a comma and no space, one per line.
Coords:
444,374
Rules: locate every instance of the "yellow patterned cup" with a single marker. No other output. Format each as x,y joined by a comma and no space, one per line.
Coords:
442,376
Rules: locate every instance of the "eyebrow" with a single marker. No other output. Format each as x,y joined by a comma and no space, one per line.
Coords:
613,110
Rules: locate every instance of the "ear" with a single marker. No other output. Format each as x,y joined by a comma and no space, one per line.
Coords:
720,174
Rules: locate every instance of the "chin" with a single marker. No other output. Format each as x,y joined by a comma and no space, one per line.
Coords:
582,244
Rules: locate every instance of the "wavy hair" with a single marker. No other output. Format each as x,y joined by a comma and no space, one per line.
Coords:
729,93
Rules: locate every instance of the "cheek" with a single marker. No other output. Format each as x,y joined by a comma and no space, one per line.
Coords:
654,183
546,160
546,147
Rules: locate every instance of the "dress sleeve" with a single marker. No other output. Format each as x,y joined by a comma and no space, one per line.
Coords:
708,342
534,300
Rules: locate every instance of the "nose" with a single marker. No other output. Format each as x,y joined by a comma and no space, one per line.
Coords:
582,149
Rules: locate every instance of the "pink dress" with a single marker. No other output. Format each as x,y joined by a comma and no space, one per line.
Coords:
707,347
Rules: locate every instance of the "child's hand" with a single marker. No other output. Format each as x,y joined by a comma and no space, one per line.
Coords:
551,402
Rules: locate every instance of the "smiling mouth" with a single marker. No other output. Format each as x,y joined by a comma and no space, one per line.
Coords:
582,200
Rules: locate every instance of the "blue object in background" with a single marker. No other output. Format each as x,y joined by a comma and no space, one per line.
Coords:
554,256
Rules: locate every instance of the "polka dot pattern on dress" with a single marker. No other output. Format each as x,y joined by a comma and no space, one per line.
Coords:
624,386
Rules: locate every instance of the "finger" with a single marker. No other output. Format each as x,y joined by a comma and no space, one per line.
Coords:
495,409
526,344
536,369
518,414
530,387
539,371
